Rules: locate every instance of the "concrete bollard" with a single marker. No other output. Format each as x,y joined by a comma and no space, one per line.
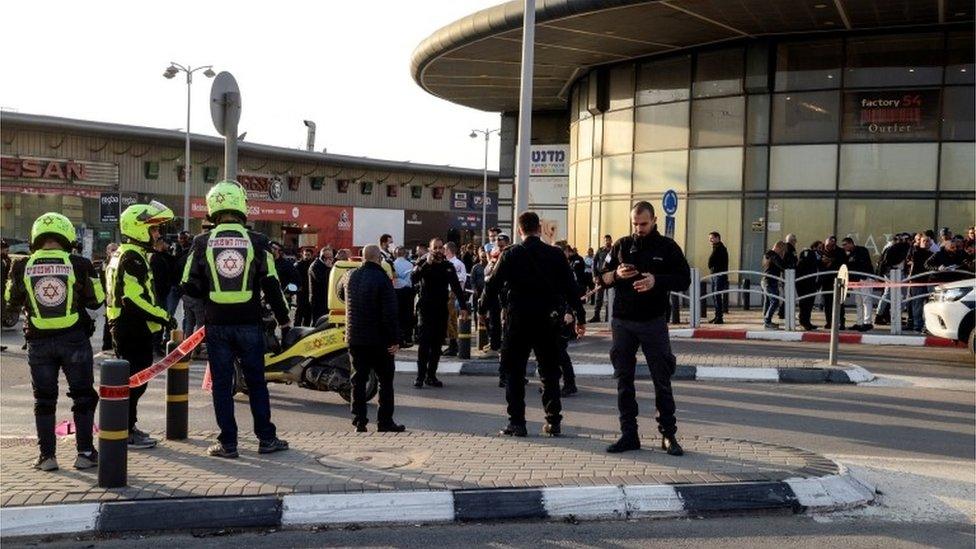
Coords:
464,338
113,424
177,393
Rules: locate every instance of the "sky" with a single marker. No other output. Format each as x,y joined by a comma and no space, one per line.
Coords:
344,65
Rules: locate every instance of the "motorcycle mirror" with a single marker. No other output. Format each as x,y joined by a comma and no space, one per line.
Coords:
291,288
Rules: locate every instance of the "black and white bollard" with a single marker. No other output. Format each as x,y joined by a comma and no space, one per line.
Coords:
177,393
464,338
113,424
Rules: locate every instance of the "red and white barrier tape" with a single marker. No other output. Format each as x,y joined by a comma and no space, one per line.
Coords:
890,284
183,349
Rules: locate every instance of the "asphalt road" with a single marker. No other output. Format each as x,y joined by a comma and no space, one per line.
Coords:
911,433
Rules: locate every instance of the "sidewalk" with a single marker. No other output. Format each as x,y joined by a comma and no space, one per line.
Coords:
418,476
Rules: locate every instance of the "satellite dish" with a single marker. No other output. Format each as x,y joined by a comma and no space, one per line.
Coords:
844,277
225,111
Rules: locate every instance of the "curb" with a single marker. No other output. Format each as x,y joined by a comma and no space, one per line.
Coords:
821,494
809,337
847,373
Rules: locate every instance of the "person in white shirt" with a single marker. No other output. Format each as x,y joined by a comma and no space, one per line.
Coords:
402,267
492,237
450,252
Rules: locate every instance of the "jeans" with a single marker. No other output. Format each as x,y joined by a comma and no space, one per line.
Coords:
366,359
771,287
72,354
193,314
652,338
720,283
917,307
242,343
431,329
521,338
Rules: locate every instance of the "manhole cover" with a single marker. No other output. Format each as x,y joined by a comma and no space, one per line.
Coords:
365,459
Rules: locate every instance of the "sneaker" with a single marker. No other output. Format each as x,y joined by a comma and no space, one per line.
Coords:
771,326
46,463
219,450
670,444
514,430
434,382
418,383
360,425
139,440
87,460
625,443
271,446
552,429
716,320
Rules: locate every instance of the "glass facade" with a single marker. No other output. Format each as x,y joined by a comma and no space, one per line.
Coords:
863,135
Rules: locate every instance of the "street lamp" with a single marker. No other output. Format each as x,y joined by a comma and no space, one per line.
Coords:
484,187
172,71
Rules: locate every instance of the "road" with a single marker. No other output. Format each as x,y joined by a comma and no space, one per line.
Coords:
911,433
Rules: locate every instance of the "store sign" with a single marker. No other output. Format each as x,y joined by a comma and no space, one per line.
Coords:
470,201
549,160
57,170
892,115
261,187
110,205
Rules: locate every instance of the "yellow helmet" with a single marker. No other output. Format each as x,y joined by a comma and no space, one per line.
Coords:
137,219
226,196
53,224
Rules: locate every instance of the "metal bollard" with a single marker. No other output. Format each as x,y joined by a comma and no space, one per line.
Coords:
113,424
177,392
746,285
702,290
464,338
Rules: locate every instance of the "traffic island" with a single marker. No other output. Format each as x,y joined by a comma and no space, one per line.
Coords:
416,477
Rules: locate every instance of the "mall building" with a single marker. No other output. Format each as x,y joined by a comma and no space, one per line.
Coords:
90,171
765,117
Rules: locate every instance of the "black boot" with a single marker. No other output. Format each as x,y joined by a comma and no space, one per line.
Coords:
513,430
360,424
569,389
419,383
452,348
670,444
626,443
390,427
433,381
552,429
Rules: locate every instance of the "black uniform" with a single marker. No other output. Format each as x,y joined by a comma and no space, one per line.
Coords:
541,288
318,288
807,263
640,320
831,261
434,279
303,308
718,262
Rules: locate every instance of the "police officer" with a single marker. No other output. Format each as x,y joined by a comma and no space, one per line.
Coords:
54,288
433,275
643,268
230,269
540,290
133,309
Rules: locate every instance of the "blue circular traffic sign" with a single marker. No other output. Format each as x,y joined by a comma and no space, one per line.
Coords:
670,202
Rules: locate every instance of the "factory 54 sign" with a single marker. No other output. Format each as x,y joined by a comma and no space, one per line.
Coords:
891,115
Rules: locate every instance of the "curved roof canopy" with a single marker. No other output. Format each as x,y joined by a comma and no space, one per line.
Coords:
476,61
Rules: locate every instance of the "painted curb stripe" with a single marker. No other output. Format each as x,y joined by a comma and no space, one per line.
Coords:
48,519
719,334
369,507
498,504
188,513
706,373
737,497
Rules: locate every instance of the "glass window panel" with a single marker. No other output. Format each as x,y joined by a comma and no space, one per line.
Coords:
718,73
803,168
596,181
595,236
585,138
662,127
958,215
958,114
872,222
888,166
615,217
598,135
808,65
891,115
622,87
616,174
757,168
572,181
808,218
664,80
706,215
894,60
618,132
582,234
571,222
757,125
573,142
959,58
716,169
757,67
958,167
753,239
656,172
717,122
806,117
584,177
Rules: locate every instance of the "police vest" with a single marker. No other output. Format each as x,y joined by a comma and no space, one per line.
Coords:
122,285
230,256
50,281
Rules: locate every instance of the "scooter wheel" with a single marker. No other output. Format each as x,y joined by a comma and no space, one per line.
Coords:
372,387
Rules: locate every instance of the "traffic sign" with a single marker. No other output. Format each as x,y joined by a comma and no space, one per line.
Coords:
670,202
844,277
226,114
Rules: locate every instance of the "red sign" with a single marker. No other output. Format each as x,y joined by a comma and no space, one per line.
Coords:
332,224
67,191
30,168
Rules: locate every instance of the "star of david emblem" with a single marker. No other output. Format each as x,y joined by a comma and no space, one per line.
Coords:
230,263
50,291
219,198
47,220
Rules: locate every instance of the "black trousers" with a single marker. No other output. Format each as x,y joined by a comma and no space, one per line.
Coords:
366,359
135,344
522,338
495,326
598,307
806,303
720,283
566,363
405,312
652,338
431,329
828,300
303,311
72,354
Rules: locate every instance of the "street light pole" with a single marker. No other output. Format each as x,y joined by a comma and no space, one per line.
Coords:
484,186
171,71
525,110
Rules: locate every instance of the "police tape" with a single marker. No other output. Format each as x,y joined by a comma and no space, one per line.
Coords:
183,349
890,284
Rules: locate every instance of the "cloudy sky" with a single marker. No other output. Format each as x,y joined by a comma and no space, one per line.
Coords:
343,64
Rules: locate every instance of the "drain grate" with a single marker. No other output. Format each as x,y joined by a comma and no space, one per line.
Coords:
366,459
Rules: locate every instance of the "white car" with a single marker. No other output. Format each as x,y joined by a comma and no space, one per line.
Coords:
949,312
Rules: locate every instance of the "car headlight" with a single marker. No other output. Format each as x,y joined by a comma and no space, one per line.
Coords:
951,294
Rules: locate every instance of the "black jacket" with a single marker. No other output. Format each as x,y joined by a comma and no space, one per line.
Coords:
773,264
163,267
301,273
789,258
654,254
539,283
952,266
578,267
287,273
371,307
718,261
917,261
318,288
806,264
83,291
893,256
831,261
859,260
262,282
433,280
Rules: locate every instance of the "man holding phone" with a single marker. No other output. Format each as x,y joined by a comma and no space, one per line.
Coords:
434,276
643,268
